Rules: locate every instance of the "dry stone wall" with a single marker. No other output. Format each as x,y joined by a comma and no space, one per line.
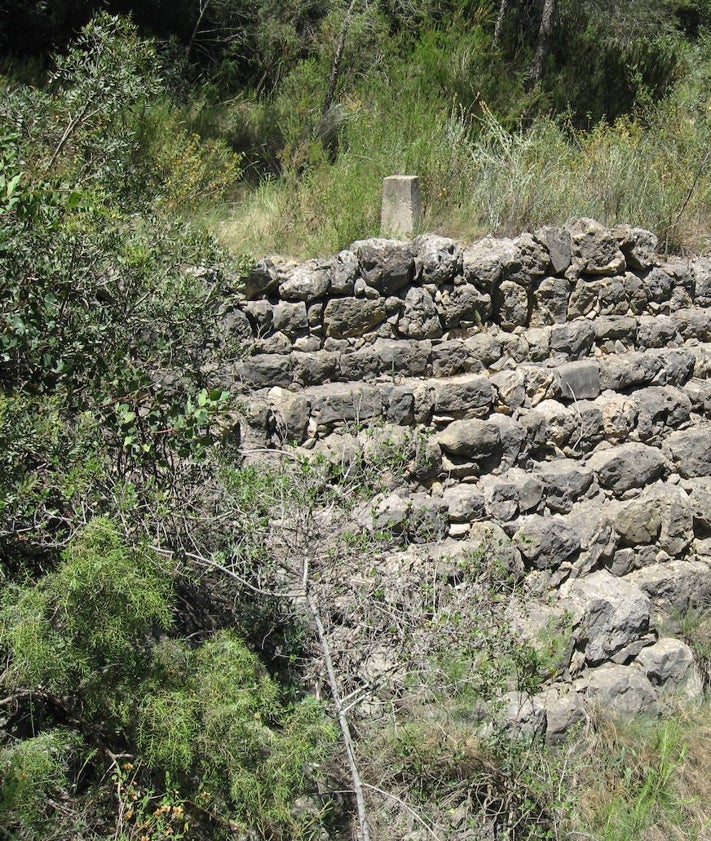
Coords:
552,389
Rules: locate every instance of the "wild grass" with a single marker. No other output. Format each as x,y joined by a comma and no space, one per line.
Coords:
479,176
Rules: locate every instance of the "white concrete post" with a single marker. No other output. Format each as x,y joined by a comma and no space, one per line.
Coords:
402,206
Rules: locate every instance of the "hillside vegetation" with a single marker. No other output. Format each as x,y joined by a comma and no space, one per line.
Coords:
162,601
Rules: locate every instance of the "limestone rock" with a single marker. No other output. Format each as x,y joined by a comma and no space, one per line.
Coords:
472,438
483,261
511,305
440,258
595,248
545,542
559,245
465,503
622,689
638,521
344,271
419,319
345,317
291,414
669,664
615,614
307,282
689,450
386,265
463,397
627,466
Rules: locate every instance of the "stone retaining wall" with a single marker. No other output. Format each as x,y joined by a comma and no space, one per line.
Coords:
552,390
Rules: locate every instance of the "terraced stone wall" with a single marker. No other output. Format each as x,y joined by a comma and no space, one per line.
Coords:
552,390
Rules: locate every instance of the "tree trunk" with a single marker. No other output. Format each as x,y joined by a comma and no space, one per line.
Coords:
544,37
503,8
337,59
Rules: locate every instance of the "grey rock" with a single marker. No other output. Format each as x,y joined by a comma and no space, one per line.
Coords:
260,316
551,301
473,438
510,389
574,339
539,343
451,358
565,482
699,490
578,380
675,587
440,258
511,305
512,440
528,262
523,714
346,403
592,522
307,282
397,358
669,663
623,690
234,325
386,265
290,318
559,245
595,248
347,317
546,542
344,271
463,397
689,450
401,406
315,367
627,466
265,370
615,613
485,346
635,293
276,343
658,285
263,279
465,503
638,245
693,324
654,331
621,328
500,498
465,305
419,318
659,409
701,269
564,712
529,488
360,364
